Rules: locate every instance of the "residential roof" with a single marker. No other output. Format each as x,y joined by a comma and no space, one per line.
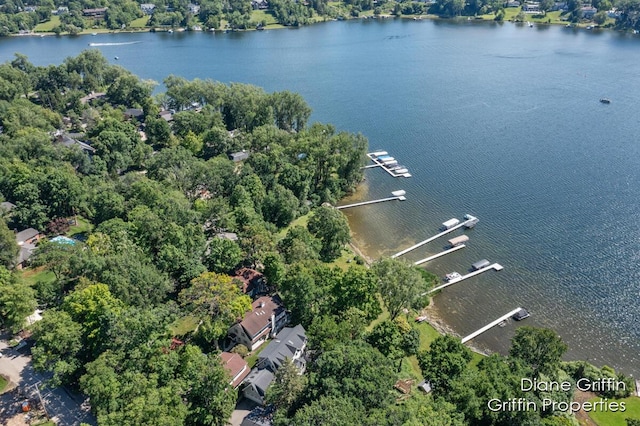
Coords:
26,250
91,96
249,278
239,156
133,112
260,379
255,321
228,235
166,115
69,141
259,416
236,366
26,234
285,345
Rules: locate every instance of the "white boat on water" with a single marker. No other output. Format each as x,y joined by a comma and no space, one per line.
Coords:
400,171
399,193
390,163
452,276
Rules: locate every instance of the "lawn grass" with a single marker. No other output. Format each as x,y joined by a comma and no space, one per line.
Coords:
253,357
184,325
48,25
140,22
83,227
3,383
33,276
610,418
263,15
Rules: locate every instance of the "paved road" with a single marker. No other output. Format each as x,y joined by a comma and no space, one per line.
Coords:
67,409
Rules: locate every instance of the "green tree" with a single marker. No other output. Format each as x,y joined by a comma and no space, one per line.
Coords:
216,300
445,361
8,246
287,387
330,411
223,255
399,284
17,300
539,348
298,245
330,226
358,289
58,345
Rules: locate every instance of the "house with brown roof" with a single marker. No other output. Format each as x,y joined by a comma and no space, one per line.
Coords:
253,282
236,366
267,317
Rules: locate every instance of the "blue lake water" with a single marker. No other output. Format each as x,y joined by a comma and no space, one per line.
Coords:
500,121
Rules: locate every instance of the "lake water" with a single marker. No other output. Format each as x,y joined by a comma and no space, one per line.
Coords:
500,121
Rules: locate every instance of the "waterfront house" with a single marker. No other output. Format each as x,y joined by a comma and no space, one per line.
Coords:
561,6
236,366
147,8
533,7
260,4
267,317
97,13
194,9
69,141
166,115
513,3
136,113
289,343
27,240
62,10
587,12
92,96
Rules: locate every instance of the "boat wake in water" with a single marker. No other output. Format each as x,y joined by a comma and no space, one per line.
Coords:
114,44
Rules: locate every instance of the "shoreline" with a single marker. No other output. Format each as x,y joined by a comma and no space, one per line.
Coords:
434,319
590,26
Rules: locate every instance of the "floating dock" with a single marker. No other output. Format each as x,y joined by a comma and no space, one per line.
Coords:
435,256
364,203
490,325
384,160
470,221
495,266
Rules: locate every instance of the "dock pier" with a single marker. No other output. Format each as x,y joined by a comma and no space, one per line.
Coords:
373,156
428,240
364,203
495,266
490,325
435,256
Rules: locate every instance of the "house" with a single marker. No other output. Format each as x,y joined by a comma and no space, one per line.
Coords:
587,12
253,282
194,9
289,343
97,13
92,96
147,8
26,240
166,115
425,386
561,6
231,236
256,385
513,3
30,9
614,13
531,8
68,141
267,318
62,10
236,366
136,113
260,4
259,416
239,156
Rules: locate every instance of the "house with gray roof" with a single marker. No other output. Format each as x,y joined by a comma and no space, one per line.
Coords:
289,343
256,385
6,207
26,240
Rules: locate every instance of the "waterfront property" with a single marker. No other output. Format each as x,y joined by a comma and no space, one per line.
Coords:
266,319
455,277
470,222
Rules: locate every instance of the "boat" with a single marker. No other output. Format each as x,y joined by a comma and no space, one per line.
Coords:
421,318
503,323
605,100
378,153
400,171
450,223
529,24
480,264
452,276
455,242
521,314
94,34
170,31
399,193
390,163
589,27
116,58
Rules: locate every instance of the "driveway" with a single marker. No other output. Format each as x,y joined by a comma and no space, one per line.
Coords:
64,407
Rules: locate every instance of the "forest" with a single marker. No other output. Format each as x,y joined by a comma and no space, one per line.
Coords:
162,199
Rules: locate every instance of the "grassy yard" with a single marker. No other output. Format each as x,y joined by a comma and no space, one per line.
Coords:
183,326
3,383
37,275
253,357
610,418
49,25
263,15
140,22
83,227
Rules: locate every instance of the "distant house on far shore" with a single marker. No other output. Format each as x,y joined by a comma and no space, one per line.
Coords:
239,156
147,8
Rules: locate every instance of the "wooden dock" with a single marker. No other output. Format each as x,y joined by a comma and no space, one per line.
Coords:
442,253
364,203
495,266
490,325
428,240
